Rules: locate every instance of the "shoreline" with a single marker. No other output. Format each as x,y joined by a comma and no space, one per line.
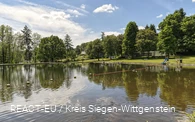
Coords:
32,63
104,62
144,63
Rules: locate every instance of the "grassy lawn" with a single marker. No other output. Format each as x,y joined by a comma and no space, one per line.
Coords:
186,60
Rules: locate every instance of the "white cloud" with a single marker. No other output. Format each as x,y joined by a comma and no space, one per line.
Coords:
46,21
193,1
82,6
74,12
108,8
159,16
112,33
141,27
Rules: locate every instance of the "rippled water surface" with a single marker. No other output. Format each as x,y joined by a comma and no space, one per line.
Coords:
82,85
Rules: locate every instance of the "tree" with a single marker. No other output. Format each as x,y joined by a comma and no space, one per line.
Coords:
120,39
152,27
17,54
89,49
84,46
146,40
174,22
2,36
167,41
95,49
68,45
103,35
109,45
51,49
36,38
130,39
9,41
147,27
73,54
27,43
188,28
78,50
6,38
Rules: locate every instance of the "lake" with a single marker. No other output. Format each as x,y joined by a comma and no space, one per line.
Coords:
95,92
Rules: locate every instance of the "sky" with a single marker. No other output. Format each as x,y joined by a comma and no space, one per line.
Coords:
84,20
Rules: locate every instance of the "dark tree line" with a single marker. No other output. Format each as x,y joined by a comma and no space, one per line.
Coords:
25,46
15,48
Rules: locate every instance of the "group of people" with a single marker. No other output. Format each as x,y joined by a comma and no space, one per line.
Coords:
178,67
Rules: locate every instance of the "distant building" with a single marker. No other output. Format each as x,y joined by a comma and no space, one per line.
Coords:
83,53
155,54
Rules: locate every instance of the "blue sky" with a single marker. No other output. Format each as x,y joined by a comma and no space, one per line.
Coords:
84,20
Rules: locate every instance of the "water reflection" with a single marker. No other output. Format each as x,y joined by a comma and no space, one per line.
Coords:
25,79
176,88
172,86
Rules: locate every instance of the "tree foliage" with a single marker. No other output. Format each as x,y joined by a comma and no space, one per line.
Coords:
167,41
174,21
129,41
152,27
146,40
95,49
6,38
109,45
51,49
27,42
188,28
68,46
176,34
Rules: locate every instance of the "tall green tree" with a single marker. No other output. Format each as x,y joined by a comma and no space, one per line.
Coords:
2,36
167,41
68,45
84,46
120,39
51,49
27,42
146,40
78,50
130,39
174,22
9,43
89,48
17,54
95,49
6,38
188,28
109,45
36,38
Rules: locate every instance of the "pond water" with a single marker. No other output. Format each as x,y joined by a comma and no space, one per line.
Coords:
58,88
